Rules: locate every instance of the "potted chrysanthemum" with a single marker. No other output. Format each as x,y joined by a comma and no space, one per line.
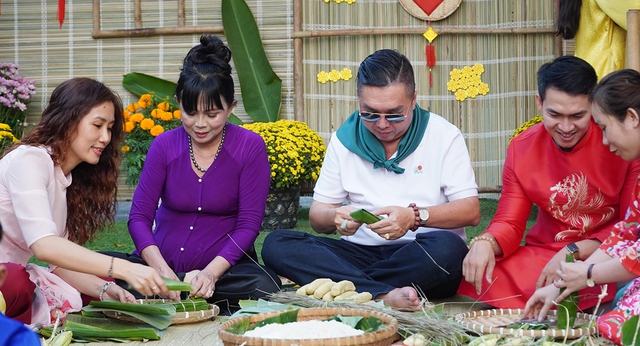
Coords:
145,120
295,155
15,95
6,137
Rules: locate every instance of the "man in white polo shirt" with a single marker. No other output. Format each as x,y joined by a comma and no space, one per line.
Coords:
392,158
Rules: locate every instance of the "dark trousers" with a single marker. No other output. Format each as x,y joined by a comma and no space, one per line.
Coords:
244,280
432,263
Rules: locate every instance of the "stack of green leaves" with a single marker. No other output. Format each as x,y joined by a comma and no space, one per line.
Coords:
93,329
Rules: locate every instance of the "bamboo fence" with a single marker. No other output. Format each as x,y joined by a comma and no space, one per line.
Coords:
106,39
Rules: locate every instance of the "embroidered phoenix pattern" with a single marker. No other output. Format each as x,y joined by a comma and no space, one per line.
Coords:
580,209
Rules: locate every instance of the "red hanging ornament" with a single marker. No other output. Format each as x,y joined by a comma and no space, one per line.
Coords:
430,51
61,4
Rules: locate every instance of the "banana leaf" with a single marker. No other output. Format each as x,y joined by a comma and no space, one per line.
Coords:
261,88
141,83
87,328
154,309
157,321
195,304
175,285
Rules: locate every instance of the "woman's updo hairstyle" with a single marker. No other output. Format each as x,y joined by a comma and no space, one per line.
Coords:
205,77
617,92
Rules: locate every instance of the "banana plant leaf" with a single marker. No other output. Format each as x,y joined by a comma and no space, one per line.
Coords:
261,88
141,83
631,332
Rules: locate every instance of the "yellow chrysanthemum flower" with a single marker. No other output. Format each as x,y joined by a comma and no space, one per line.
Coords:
291,145
5,127
147,123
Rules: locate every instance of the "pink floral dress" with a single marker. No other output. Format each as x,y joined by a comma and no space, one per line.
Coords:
624,243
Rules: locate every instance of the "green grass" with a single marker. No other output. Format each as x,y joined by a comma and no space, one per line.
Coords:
118,239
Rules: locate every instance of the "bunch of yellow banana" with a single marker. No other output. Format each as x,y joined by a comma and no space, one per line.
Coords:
328,290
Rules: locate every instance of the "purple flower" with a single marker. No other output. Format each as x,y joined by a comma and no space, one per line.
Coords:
15,91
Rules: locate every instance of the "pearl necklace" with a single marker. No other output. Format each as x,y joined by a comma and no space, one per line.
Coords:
193,157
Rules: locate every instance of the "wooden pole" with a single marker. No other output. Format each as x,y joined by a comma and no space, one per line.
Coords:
559,51
419,31
633,40
137,13
298,85
180,30
180,12
96,16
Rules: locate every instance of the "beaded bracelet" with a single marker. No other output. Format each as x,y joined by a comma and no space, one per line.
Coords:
416,210
104,288
485,238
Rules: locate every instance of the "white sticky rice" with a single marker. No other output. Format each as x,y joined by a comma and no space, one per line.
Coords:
312,329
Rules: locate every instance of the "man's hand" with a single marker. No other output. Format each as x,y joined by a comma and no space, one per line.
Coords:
345,224
480,258
548,274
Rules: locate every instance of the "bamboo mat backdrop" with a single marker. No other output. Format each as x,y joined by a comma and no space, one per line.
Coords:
31,37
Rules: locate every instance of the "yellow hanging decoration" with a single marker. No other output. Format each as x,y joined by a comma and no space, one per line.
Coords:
466,82
334,75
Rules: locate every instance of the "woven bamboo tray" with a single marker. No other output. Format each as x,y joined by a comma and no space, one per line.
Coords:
382,337
179,318
493,322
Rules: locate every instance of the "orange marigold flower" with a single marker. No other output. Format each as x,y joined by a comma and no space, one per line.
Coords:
128,126
177,114
156,113
136,118
147,124
166,116
163,106
156,130
131,108
125,148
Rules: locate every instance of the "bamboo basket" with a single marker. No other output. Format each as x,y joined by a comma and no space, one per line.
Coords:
383,337
494,321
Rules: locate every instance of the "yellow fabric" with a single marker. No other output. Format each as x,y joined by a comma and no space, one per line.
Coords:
617,9
599,40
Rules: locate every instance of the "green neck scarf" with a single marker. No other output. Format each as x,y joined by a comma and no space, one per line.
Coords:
359,140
